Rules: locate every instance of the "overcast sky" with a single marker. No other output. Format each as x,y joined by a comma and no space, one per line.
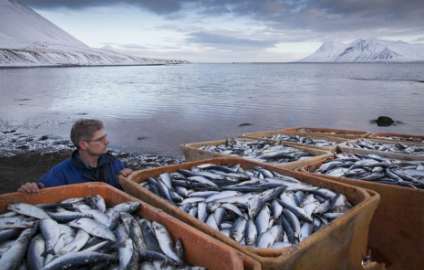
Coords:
232,31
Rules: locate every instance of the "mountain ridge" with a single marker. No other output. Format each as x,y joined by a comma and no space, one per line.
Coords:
367,50
29,39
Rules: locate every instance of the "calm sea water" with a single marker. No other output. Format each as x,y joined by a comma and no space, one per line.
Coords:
154,109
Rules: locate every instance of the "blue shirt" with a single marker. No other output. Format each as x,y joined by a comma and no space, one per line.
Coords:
74,171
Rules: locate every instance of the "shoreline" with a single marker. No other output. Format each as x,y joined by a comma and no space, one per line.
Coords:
25,158
79,66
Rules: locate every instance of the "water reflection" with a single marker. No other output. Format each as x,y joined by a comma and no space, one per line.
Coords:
171,105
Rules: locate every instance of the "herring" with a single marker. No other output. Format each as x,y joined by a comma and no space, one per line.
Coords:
260,150
84,242
93,228
12,258
165,241
36,249
247,207
301,140
75,259
395,147
376,169
28,210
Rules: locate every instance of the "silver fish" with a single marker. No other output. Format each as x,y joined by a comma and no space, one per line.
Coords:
51,232
98,215
147,266
218,215
28,210
36,249
238,229
261,150
305,230
211,221
251,233
239,201
15,222
66,216
12,258
301,140
128,207
85,243
377,169
202,213
397,147
165,241
222,195
268,238
263,220
281,245
75,259
125,252
66,236
234,209
136,235
93,228
7,234
293,221
81,238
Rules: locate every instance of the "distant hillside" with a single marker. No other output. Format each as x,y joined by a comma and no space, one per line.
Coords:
371,50
28,39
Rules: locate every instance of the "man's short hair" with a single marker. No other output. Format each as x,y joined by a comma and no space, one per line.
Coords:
84,129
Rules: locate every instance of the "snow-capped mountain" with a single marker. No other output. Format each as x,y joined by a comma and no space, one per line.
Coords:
28,39
368,50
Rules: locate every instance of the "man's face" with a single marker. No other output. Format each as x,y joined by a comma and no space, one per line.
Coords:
97,145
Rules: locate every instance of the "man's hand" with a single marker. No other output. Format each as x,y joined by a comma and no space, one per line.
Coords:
31,187
125,172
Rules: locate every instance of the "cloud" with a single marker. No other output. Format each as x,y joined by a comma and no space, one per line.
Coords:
133,46
420,39
319,15
319,19
159,6
228,40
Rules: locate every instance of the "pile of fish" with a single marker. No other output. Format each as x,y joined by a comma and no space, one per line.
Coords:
137,161
255,207
397,147
302,140
259,150
13,142
376,169
82,233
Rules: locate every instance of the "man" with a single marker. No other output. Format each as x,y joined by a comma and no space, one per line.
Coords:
89,162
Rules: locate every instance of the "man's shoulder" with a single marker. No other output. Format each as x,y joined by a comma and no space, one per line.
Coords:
63,165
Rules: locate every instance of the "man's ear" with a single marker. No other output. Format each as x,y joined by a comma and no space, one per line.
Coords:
83,145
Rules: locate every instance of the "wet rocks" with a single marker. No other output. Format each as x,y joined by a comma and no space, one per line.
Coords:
383,121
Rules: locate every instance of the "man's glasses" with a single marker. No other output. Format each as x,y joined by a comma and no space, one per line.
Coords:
101,139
